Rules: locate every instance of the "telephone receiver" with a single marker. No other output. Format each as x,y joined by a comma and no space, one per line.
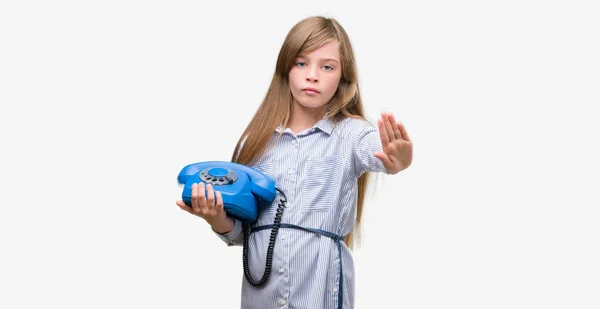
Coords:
241,186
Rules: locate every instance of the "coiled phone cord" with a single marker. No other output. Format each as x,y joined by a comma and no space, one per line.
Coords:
247,227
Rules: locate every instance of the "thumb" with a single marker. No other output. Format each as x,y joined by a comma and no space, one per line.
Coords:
382,157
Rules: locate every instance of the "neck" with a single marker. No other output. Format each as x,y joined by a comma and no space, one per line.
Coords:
303,118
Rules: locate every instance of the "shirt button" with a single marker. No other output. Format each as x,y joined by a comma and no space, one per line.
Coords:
334,290
290,171
282,302
281,270
282,237
294,142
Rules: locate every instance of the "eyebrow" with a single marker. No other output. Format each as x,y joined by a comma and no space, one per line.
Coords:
323,60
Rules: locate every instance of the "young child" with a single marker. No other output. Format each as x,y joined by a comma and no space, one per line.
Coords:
310,136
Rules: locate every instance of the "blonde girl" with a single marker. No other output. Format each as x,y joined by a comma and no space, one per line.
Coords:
311,137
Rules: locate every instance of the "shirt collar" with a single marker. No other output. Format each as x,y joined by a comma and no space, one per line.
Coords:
325,125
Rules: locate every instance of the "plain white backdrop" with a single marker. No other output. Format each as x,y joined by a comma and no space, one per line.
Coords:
103,102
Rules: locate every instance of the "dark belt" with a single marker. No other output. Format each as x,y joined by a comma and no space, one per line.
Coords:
338,240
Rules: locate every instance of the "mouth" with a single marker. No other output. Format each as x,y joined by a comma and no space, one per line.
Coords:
310,90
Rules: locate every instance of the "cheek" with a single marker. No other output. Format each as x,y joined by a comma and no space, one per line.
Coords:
332,85
293,84
293,77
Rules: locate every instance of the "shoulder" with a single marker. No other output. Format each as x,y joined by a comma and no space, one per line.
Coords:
354,127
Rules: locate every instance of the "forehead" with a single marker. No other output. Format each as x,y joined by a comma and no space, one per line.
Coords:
329,50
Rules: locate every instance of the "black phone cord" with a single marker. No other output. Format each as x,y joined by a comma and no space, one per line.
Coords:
247,228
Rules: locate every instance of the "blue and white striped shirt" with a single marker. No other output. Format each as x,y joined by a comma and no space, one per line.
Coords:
317,169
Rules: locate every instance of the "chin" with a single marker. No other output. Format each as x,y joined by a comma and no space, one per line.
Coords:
311,106
310,103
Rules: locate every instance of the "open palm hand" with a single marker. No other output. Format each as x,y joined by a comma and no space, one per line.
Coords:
397,148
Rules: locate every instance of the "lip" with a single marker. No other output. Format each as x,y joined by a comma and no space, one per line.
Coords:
310,90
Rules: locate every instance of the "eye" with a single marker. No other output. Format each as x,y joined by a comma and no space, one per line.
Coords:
327,67
300,64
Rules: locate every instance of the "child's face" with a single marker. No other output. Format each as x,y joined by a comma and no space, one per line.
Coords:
315,76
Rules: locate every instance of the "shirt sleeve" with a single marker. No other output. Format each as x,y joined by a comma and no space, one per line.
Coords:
367,143
233,237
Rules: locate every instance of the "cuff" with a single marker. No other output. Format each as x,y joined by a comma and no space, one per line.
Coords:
230,236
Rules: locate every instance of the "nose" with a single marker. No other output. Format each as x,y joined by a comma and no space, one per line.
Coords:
312,76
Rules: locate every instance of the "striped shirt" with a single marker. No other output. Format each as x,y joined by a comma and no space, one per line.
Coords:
317,169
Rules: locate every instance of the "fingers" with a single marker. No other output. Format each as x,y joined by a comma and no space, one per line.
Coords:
206,201
214,199
388,130
395,127
385,139
389,127
198,198
210,196
219,201
403,132
391,130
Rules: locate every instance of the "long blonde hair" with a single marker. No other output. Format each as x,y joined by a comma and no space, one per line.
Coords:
307,35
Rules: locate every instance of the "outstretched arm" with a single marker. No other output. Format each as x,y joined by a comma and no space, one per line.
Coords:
397,148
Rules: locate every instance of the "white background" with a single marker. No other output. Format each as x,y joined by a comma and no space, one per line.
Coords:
102,104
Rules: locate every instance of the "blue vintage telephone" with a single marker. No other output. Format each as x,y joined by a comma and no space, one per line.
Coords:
241,187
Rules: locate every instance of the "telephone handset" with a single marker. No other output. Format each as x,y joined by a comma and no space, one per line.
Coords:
241,187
